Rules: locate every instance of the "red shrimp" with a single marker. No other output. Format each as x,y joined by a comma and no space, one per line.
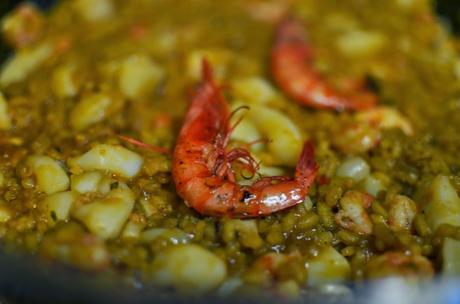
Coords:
293,71
202,169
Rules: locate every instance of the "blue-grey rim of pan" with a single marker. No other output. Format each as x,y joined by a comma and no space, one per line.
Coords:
28,279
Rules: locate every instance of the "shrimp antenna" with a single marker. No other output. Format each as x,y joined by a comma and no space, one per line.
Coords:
232,128
244,107
143,145
257,141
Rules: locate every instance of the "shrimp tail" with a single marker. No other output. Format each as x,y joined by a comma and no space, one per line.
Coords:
306,168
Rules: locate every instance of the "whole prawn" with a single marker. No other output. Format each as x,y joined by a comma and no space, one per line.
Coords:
293,70
202,169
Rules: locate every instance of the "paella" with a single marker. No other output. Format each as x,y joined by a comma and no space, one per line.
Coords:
260,146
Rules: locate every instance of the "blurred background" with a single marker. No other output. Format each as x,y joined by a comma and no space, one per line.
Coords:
448,10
